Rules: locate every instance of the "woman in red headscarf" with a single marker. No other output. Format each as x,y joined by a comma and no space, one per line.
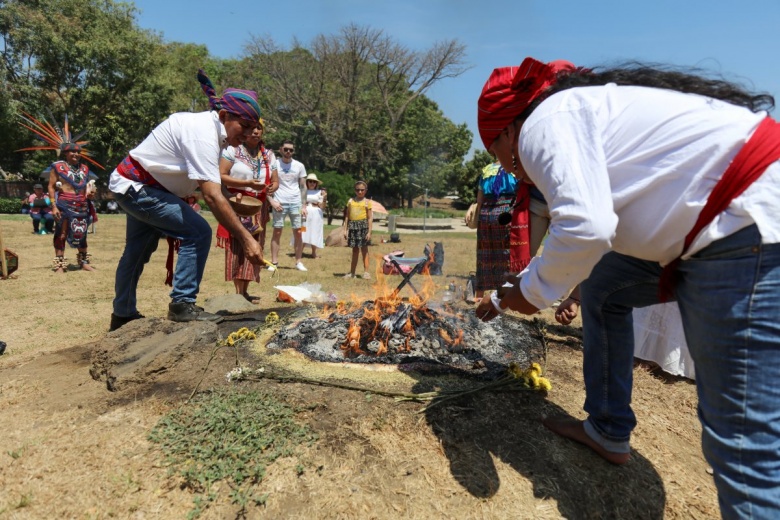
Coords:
661,184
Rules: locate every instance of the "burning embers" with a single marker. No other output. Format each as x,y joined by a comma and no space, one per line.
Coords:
391,330
391,326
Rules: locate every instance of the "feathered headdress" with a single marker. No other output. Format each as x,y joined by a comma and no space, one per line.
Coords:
57,139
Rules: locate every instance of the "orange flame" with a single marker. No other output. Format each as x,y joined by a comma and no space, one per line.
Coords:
387,305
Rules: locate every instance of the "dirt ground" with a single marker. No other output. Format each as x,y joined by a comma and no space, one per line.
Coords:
73,449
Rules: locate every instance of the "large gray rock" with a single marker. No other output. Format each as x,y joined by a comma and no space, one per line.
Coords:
228,304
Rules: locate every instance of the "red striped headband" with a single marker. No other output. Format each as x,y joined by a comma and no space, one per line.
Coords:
241,103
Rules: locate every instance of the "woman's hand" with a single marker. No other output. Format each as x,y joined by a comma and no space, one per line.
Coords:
55,211
256,184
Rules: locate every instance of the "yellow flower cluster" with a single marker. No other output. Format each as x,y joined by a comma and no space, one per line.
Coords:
240,334
531,377
271,318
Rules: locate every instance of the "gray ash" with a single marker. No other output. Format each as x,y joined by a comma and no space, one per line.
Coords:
408,335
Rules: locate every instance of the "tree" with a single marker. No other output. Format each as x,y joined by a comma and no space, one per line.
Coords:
86,58
469,175
340,188
430,151
346,94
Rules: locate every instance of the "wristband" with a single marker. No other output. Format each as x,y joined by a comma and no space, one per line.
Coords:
496,303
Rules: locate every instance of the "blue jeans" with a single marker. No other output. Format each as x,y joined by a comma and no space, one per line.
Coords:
729,298
48,220
152,214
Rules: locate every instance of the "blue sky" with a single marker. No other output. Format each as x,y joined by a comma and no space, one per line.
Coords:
741,43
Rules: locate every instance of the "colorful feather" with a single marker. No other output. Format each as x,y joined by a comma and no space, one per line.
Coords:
54,136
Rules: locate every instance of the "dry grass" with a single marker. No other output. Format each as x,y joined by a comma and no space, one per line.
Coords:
72,450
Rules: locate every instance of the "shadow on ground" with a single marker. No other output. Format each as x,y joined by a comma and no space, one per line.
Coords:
582,484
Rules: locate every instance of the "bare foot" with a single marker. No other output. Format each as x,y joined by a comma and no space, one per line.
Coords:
87,267
574,430
59,270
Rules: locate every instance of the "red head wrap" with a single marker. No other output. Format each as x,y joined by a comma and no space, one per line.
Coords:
510,90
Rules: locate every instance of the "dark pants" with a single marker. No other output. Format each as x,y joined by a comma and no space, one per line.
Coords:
48,221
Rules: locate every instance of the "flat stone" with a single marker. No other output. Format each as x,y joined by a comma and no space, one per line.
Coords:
228,304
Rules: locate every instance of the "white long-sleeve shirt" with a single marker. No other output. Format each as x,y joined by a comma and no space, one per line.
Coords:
628,169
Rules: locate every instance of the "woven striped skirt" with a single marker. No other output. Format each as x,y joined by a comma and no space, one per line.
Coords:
492,243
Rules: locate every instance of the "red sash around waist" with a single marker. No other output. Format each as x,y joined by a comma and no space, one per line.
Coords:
130,169
755,156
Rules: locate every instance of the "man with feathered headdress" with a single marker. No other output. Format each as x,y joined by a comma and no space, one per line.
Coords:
73,205
179,156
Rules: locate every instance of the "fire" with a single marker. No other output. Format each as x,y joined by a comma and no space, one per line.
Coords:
451,342
390,316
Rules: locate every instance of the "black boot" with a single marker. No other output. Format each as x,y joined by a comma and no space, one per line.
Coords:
188,311
118,321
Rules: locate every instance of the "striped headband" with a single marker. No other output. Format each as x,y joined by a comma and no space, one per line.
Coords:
510,90
241,103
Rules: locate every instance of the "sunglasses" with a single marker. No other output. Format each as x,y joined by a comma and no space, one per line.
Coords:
287,150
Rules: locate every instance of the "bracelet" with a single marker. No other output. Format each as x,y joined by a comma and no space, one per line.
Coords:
494,299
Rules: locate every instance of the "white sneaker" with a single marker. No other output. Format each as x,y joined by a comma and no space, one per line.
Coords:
348,276
366,275
272,267
299,266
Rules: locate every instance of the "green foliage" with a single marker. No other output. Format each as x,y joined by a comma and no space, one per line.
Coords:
431,150
340,188
89,59
228,435
469,174
10,206
431,213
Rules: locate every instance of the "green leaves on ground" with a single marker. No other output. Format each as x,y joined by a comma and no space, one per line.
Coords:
228,436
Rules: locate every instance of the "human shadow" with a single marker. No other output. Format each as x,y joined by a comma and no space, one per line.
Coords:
475,429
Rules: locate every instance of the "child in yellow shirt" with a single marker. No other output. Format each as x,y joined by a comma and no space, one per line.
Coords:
358,219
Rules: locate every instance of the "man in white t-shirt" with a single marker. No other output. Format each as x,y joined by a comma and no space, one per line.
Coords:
180,155
289,199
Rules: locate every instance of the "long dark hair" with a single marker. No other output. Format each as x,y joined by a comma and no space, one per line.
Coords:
690,81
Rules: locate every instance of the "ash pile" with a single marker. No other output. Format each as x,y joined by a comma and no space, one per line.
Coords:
409,334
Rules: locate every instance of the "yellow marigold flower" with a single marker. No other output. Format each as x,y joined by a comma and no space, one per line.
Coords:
545,384
515,370
272,317
534,379
536,367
